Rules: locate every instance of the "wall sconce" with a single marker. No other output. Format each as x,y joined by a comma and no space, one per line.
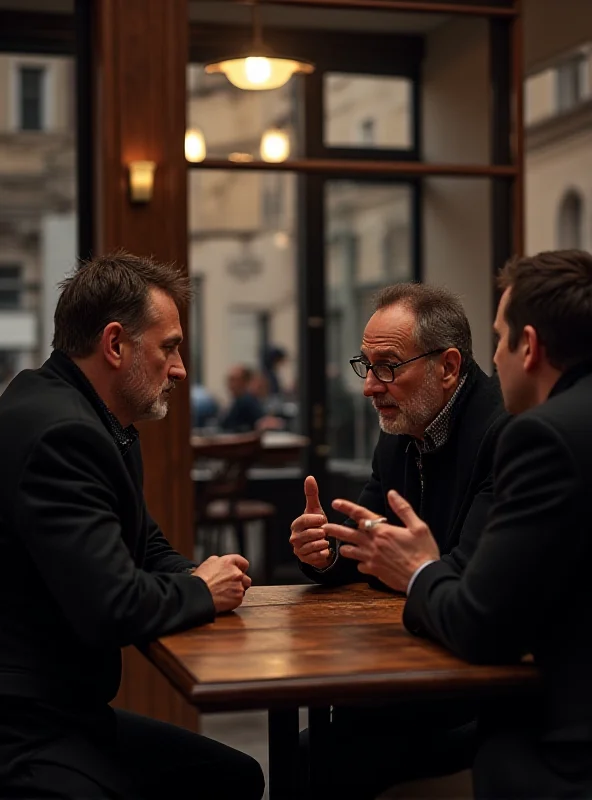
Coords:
141,181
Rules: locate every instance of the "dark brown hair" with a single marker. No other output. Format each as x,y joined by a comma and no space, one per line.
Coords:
112,288
440,319
551,291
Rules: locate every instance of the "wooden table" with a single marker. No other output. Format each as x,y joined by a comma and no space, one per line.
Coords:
291,646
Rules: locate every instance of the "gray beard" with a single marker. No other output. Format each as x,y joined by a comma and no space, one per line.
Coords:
140,398
414,416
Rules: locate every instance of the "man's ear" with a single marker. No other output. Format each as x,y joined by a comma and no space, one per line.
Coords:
532,349
112,344
451,362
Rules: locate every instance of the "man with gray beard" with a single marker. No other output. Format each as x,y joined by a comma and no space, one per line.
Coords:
440,416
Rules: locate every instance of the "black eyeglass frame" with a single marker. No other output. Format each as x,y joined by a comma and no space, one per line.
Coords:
391,367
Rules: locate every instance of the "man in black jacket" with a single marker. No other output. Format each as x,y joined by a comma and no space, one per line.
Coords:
84,570
527,587
440,417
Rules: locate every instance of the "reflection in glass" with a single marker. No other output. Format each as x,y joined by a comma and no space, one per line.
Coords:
195,146
368,246
233,121
256,73
37,202
368,111
275,146
241,246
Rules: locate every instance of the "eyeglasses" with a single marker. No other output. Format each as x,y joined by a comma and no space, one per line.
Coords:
384,372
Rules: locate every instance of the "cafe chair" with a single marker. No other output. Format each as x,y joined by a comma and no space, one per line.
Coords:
221,501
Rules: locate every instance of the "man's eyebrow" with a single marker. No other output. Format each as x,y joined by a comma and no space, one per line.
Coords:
385,353
172,340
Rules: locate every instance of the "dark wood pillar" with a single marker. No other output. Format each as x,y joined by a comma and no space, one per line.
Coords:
140,59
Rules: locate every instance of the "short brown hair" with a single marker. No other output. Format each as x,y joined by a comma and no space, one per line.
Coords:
440,319
112,288
551,291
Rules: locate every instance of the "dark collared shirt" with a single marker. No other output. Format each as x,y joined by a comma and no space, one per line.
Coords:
437,432
123,437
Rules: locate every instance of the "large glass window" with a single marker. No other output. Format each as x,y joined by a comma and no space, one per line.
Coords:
242,126
261,242
37,202
367,247
242,250
368,111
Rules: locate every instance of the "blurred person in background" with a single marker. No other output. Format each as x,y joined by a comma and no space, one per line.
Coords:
273,358
204,407
246,411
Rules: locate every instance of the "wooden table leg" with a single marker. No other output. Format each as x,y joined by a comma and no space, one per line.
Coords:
319,721
284,770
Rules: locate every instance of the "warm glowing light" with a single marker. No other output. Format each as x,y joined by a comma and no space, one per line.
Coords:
257,69
275,146
141,180
259,72
240,158
195,146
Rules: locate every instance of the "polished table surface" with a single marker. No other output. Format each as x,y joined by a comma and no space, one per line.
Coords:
309,645
291,646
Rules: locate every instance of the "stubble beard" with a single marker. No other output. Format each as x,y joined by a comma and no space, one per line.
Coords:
140,397
414,415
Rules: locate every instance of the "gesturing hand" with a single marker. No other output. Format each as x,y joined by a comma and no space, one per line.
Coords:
226,580
308,537
390,553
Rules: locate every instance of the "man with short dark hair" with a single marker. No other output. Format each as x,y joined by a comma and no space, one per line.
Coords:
84,569
527,587
440,417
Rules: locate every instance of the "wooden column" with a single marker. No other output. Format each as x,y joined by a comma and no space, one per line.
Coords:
140,59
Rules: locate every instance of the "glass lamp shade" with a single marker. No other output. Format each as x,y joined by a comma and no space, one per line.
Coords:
195,146
257,73
275,146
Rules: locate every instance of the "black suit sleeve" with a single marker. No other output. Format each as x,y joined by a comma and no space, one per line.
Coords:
160,556
477,516
484,615
67,507
345,570
473,526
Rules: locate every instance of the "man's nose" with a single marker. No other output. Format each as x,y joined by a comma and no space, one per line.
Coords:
372,385
178,372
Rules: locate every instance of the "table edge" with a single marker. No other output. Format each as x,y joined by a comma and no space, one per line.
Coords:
328,690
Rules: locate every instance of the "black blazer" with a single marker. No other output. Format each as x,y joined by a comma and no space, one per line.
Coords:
457,478
527,587
84,570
